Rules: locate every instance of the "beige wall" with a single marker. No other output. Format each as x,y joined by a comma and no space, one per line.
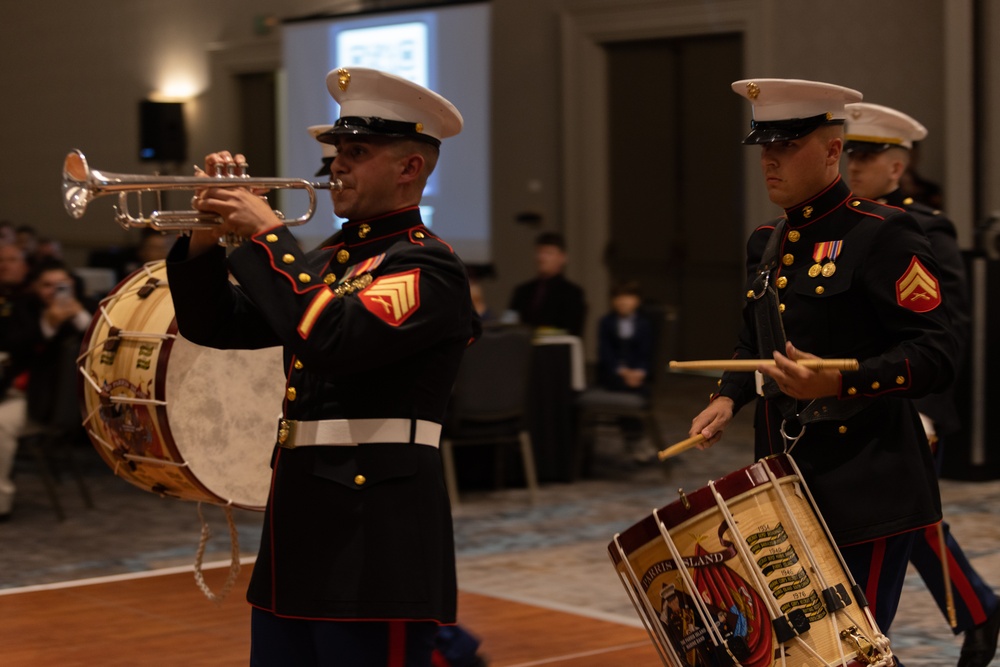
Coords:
73,73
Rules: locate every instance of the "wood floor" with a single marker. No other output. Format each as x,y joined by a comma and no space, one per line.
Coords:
150,621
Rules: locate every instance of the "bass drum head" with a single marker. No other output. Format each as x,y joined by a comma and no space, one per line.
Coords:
223,408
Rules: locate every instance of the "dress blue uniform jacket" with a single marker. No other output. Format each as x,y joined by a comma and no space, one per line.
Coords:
864,454
940,231
373,325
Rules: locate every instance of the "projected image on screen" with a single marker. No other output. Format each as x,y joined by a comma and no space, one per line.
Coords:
399,49
443,48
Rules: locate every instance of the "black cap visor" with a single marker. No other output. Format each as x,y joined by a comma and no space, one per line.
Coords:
868,147
325,169
375,126
770,131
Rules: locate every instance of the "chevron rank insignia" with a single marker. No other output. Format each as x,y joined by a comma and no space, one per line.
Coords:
393,298
918,290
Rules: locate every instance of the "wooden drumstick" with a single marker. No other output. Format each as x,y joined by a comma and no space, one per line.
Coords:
753,364
949,596
682,446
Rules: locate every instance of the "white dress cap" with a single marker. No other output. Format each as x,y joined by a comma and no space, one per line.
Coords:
379,103
786,109
329,150
881,126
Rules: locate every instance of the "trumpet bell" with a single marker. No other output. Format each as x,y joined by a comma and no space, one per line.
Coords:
76,177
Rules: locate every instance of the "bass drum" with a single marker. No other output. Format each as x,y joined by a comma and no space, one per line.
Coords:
171,417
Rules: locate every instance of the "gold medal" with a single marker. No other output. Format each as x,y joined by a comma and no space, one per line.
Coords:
829,269
814,270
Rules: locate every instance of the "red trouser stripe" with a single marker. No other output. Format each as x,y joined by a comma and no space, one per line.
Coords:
874,572
397,644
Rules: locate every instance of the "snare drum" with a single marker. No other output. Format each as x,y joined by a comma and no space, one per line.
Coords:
172,417
744,572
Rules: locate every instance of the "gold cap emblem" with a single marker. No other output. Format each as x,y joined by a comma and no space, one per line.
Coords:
753,90
343,79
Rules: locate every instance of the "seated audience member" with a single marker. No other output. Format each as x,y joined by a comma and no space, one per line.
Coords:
13,405
624,359
27,237
45,339
153,246
550,300
478,273
7,233
48,248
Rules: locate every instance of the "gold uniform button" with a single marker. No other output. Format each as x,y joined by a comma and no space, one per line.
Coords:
418,235
782,282
271,238
788,259
360,480
288,259
851,391
290,393
305,278
343,256
298,365
749,294
781,307
900,379
875,385
842,430
794,236
329,278
855,203
819,289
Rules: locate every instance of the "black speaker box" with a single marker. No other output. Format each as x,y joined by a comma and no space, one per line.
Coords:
162,137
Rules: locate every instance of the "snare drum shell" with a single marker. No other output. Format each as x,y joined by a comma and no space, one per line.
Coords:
775,568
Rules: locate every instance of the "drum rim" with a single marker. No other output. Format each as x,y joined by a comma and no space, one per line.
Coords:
701,500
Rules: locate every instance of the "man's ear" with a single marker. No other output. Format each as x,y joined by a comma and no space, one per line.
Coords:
412,167
834,148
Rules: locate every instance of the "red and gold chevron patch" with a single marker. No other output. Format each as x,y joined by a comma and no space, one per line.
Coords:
918,289
393,298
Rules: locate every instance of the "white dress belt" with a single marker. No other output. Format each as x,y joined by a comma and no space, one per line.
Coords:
351,432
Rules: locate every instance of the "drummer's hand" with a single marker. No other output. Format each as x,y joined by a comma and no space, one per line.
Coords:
712,421
798,381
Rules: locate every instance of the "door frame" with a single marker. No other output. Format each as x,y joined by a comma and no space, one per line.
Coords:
584,32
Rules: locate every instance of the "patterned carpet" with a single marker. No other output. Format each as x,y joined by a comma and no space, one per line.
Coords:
553,553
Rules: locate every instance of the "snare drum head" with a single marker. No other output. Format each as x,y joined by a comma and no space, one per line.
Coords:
173,417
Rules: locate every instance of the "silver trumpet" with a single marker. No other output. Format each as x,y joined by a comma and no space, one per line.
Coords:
81,185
